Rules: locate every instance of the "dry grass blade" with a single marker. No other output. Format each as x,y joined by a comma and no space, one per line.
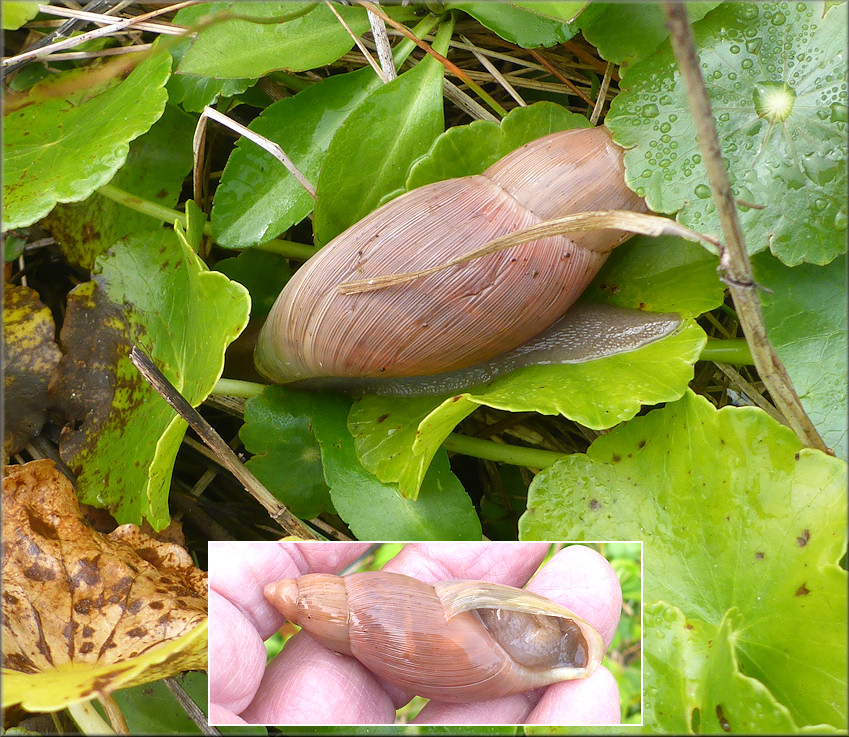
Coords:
632,222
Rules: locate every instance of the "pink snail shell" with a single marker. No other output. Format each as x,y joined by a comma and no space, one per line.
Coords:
467,314
456,641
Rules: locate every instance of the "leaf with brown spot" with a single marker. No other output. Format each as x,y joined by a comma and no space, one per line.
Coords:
30,357
152,291
85,613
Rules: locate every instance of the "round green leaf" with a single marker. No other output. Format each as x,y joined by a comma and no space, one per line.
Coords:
624,33
60,149
776,76
155,169
694,683
734,514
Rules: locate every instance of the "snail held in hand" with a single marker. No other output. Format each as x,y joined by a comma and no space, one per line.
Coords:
440,325
458,641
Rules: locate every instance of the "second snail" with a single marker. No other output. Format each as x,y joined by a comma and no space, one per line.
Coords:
456,641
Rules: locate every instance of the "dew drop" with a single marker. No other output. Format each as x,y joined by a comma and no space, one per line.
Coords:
778,19
697,159
735,49
702,191
774,100
840,220
838,112
665,128
753,46
746,63
650,110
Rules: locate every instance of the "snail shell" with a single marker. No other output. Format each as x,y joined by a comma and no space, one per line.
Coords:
456,641
467,314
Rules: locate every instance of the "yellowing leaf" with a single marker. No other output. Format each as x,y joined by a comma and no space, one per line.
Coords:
85,613
30,357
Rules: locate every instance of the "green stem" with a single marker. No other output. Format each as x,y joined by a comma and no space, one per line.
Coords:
734,351
88,720
236,388
289,249
515,455
405,47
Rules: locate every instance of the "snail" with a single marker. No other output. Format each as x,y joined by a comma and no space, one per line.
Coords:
440,325
457,641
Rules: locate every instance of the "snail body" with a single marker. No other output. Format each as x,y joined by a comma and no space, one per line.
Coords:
470,313
457,641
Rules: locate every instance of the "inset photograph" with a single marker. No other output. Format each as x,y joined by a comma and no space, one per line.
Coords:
305,633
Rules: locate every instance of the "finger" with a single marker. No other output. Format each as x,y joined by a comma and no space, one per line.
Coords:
308,684
240,570
236,655
220,716
507,710
507,563
584,582
593,701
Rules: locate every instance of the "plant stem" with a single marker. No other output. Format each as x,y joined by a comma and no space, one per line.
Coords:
735,264
289,249
236,388
515,455
276,510
733,350
88,720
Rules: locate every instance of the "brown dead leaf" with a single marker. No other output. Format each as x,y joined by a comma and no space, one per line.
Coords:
74,596
30,359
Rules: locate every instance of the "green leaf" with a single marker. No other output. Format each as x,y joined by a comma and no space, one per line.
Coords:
396,438
17,12
155,169
664,274
376,511
308,35
60,149
699,686
400,447
463,150
151,291
805,313
734,514
624,33
153,708
527,24
372,151
258,197
278,430
781,119
263,274
194,92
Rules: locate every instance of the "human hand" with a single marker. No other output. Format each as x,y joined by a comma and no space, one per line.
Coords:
308,684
